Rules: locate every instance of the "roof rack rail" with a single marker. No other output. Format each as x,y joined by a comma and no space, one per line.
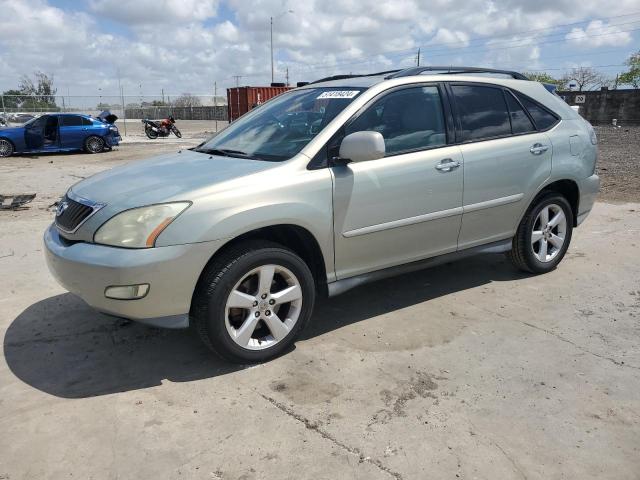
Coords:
342,77
407,72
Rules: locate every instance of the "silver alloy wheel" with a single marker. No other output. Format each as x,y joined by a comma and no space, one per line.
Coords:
95,144
5,148
549,231
263,307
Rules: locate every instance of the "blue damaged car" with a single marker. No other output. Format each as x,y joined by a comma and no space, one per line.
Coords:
61,132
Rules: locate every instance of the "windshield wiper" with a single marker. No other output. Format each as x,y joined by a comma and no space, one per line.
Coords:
227,152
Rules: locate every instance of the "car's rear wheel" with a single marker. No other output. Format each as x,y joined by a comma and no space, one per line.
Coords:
94,144
6,148
252,301
544,234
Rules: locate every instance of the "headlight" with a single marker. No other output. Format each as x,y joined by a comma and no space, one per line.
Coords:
139,227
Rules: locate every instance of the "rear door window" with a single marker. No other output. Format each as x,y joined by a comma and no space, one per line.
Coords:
409,119
71,120
520,121
543,118
482,110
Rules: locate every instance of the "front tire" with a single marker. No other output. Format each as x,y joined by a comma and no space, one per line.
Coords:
152,134
6,148
94,144
176,132
544,234
252,301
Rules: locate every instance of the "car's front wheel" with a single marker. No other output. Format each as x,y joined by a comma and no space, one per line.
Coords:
94,144
6,148
252,301
543,235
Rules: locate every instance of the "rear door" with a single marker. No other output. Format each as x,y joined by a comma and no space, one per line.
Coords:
72,131
505,159
407,205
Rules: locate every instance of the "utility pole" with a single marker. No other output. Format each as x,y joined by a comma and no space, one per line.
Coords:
237,77
124,112
418,58
215,103
271,24
163,96
287,76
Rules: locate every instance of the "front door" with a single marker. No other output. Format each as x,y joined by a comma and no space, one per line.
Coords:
406,206
34,133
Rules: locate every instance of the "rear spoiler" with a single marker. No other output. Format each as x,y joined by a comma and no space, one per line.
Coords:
107,117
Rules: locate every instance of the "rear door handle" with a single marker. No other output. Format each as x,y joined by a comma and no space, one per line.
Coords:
538,148
447,164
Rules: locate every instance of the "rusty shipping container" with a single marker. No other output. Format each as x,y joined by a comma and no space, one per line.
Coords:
242,99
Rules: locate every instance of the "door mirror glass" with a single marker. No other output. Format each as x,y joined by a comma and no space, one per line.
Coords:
362,146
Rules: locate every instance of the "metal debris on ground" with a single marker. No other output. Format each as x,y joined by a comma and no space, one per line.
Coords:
14,202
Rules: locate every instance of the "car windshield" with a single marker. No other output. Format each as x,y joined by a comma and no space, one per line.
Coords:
279,129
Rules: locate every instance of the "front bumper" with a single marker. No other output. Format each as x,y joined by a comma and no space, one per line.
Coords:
87,269
589,188
113,140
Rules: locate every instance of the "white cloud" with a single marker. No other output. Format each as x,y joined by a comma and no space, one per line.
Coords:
456,38
597,34
147,12
184,45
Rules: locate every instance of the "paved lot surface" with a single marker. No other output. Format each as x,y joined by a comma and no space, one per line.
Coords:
468,370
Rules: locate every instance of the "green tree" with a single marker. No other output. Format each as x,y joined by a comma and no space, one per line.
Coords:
632,77
41,94
11,99
543,77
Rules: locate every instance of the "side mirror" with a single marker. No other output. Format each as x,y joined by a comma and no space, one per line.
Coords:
361,146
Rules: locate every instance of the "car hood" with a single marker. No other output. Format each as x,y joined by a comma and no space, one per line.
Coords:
165,178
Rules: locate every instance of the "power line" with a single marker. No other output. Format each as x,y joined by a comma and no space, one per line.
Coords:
396,53
470,50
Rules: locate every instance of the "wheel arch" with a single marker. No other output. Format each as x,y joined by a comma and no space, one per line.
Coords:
567,188
10,141
298,239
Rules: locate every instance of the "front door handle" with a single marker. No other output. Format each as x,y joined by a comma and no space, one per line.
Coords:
538,148
447,164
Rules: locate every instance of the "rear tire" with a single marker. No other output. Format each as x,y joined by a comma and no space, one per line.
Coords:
6,148
544,234
94,144
252,301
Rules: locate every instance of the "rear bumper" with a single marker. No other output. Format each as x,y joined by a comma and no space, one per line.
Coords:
87,269
589,188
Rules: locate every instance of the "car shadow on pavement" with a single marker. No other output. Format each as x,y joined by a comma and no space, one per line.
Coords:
61,346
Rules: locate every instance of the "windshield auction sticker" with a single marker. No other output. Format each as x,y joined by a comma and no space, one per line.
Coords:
339,94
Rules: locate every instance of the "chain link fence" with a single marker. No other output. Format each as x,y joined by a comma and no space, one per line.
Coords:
20,108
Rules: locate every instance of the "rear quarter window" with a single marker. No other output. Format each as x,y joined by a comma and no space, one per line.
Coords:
543,118
86,122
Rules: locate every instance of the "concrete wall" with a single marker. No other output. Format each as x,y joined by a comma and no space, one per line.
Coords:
600,107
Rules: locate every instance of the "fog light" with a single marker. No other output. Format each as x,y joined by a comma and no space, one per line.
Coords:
127,292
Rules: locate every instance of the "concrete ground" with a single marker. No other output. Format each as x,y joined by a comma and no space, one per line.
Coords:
468,370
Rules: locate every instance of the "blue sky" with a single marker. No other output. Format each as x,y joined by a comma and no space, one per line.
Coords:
187,45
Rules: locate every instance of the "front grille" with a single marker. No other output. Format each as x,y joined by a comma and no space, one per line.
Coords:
71,216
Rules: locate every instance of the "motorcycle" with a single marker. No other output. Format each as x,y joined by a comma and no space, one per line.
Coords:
154,130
